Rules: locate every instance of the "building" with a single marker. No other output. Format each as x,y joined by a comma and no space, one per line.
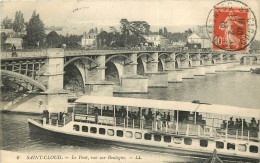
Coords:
18,42
157,40
89,40
58,30
195,38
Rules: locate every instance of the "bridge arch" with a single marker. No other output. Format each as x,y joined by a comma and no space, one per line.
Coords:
204,56
161,65
180,56
81,58
165,54
73,79
112,72
140,67
24,78
118,55
147,54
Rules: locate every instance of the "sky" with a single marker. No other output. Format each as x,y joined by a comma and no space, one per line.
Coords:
79,15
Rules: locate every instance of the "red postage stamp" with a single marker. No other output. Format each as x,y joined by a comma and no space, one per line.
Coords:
230,28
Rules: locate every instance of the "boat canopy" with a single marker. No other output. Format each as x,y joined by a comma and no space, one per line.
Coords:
171,105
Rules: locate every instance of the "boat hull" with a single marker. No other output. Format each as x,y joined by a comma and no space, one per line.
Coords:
69,138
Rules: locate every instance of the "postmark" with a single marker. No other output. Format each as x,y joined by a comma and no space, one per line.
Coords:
231,26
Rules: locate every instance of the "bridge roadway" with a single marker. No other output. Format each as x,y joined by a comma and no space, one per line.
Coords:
42,53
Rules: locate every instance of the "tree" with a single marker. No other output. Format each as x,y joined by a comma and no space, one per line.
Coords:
7,23
165,32
3,38
91,31
137,28
18,24
255,45
160,31
188,32
35,30
176,37
53,39
72,41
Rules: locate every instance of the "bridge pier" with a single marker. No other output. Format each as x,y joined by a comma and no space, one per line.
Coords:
130,82
95,80
155,78
98,73
174,76
199,69
221,66
131,68
186,67
247,60
258,60
99,88
210,67
159,79
133,84
230,64
55,98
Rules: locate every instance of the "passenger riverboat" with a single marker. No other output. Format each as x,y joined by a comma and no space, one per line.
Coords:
188,128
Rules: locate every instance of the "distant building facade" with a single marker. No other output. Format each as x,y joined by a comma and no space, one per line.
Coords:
49,29
195,38
89,40
157,40
13,38
18,42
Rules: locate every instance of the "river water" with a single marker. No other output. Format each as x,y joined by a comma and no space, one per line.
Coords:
228,88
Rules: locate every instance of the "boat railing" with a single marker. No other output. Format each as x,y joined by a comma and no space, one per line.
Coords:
159,126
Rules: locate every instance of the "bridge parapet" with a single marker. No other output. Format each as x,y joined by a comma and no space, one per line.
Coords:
24,53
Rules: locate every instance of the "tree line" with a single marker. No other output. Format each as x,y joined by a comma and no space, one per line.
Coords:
130,34
33,32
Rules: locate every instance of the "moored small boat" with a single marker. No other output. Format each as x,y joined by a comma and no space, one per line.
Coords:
255,71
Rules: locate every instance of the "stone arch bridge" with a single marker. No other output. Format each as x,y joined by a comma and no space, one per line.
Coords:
104,72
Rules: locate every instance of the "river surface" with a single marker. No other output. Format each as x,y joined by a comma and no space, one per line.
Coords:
230,88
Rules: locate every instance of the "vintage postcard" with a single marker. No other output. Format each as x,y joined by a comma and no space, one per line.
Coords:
130,81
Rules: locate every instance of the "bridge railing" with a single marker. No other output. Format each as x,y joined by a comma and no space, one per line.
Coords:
24,53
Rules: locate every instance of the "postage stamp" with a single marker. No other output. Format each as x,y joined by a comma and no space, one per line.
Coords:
231,26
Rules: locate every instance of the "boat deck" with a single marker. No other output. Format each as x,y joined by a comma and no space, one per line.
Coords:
163,127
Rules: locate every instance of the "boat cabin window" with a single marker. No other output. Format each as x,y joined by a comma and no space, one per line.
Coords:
167,139
219,145
119,133
242,147
177,140
138,135
120,111
108,110
93,130
157,137
128,134
230,146
76,127
91,109
102,131
187,141
203,143
110,132
80,109
84,128
147,136
253,149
